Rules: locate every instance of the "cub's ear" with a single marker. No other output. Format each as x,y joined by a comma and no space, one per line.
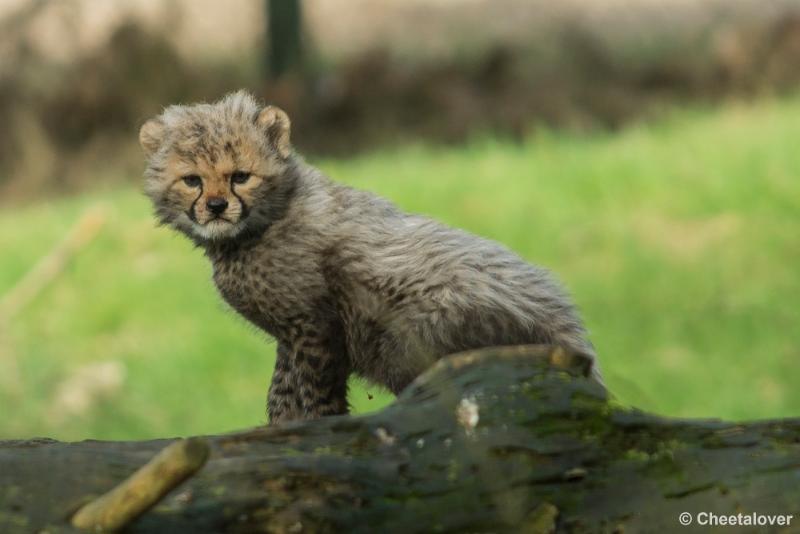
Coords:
277,126
151,134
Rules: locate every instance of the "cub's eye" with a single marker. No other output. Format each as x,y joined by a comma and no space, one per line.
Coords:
192,180
239,177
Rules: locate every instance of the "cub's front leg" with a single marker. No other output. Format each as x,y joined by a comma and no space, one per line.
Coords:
310,381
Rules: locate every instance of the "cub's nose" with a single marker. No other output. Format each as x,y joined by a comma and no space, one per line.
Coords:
217,205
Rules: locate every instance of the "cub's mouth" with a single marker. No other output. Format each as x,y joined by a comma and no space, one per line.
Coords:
219,220
218,228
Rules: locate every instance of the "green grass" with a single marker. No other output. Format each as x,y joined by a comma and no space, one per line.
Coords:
679,241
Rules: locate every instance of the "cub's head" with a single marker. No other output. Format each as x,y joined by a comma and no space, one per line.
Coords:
217,170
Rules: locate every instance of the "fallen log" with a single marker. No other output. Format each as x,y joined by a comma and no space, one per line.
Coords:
514,439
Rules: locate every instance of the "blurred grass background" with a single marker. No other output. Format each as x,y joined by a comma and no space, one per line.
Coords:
678,240
644,152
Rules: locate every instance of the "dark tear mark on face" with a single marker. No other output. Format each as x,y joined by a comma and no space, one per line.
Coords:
245,208
191,212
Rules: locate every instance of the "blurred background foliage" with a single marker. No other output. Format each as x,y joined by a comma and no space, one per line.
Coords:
643,150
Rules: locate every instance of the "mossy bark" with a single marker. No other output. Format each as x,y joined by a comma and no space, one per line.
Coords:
511,439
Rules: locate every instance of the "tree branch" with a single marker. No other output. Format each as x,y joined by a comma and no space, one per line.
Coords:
499,440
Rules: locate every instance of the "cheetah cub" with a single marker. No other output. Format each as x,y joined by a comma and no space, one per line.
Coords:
344,280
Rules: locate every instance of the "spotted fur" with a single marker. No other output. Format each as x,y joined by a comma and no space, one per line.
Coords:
344,280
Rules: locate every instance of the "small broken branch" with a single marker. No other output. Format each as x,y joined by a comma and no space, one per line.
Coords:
143,489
